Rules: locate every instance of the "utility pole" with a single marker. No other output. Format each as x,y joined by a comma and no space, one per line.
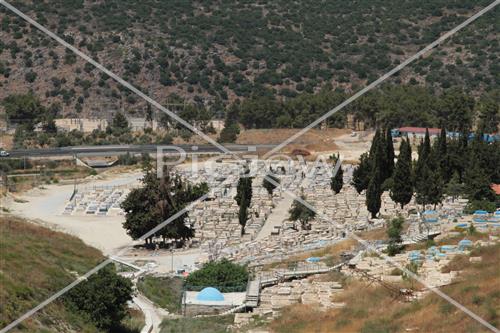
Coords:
172,258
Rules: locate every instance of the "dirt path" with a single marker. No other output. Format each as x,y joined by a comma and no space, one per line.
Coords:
153,315
279,213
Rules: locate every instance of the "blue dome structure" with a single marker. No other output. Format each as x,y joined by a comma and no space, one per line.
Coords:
210,294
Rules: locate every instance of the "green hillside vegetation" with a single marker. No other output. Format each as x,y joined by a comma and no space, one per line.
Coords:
36,263
217,51
166,292
218,324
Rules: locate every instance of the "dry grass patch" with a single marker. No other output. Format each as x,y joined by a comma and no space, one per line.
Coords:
373,308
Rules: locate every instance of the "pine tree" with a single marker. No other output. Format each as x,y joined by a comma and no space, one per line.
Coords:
402,186
157,200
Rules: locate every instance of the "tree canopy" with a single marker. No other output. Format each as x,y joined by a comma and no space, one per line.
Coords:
103,298
156,201
301,213
223,275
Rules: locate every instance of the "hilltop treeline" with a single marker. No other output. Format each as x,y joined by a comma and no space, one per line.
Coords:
392,106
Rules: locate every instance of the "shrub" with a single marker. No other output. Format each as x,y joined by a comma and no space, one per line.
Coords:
102,298
224,275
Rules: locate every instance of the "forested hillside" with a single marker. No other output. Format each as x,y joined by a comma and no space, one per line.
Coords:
216,51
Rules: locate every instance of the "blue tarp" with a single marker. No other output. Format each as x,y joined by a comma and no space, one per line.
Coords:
313,259
465,242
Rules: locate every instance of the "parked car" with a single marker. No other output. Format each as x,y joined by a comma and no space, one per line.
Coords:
3,153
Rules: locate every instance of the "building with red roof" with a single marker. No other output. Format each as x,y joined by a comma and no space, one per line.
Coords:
419,131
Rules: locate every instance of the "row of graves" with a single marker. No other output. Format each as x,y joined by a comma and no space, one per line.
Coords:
97,201
428,263
217,217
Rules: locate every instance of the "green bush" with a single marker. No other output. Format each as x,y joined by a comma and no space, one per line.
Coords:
223,275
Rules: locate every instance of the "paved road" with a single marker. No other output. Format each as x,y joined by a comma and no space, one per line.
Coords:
123,149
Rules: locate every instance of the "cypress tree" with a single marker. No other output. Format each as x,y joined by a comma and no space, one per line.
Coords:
477,183
426,147
443,157
375,142
435,189
402,187
461,152
441,143
374,193
378,158
361,174
243,198
429,187
423,169
337,181
389,154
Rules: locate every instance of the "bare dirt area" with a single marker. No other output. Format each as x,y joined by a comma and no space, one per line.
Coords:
45,206
349,144
278,135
